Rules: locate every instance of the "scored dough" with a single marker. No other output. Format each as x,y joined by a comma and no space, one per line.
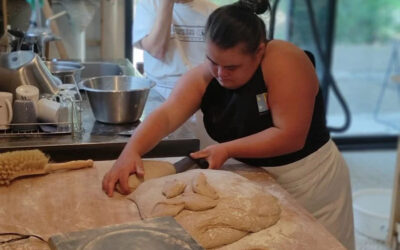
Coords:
242,207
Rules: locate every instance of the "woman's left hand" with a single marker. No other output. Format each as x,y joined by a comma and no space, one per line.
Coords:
216,155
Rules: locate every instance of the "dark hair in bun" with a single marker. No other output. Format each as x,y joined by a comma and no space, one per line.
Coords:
237,23
256,6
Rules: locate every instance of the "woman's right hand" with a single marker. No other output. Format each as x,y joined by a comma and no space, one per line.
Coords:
215,154
127,163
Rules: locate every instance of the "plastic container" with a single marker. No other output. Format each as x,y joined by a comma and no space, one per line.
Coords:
372,211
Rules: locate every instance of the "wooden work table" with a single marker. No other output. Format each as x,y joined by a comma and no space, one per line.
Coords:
73,201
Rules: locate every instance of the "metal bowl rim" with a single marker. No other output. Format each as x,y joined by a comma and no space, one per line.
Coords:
82,85
79,66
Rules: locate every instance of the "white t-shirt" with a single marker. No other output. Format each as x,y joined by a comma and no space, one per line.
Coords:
186,47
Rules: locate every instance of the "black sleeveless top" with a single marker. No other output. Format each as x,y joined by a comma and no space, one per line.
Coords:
232,114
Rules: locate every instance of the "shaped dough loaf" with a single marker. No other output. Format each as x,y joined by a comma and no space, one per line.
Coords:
152,169
173,188
201,186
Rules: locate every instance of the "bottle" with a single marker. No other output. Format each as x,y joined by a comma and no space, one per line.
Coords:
72,105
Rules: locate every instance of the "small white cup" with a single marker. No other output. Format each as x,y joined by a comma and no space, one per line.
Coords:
27,92
49,111
6,113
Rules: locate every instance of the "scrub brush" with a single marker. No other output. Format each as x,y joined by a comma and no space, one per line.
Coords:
15,164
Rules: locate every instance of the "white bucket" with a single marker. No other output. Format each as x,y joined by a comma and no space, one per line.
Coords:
372,211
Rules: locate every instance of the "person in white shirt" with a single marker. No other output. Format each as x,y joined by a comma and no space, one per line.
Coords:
171,34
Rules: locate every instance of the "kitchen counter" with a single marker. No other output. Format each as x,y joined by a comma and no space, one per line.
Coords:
101,141
72,201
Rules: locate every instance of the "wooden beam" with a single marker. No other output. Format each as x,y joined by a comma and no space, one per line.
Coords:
48,12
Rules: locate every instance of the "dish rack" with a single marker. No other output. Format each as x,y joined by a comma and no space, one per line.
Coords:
73,126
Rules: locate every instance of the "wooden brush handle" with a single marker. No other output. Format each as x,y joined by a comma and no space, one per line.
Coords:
5,17
50,167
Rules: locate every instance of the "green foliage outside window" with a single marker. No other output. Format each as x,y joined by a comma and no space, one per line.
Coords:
357,21
367,21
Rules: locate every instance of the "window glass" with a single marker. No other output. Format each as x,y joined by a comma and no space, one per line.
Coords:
365,59
365,63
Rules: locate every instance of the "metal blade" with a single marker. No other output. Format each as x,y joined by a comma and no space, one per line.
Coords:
188,163
185,164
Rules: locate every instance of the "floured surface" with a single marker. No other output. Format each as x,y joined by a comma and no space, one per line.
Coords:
296,228
71,201
61,202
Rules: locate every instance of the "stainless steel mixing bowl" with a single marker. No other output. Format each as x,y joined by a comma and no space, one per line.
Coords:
117,99
25,68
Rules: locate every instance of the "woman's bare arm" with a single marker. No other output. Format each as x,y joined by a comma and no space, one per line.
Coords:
182,103
156,42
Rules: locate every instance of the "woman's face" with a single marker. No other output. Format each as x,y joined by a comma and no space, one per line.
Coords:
232,67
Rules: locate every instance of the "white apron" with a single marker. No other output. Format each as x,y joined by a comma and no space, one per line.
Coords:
321,183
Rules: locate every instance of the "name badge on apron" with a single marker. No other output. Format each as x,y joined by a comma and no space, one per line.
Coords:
262,102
